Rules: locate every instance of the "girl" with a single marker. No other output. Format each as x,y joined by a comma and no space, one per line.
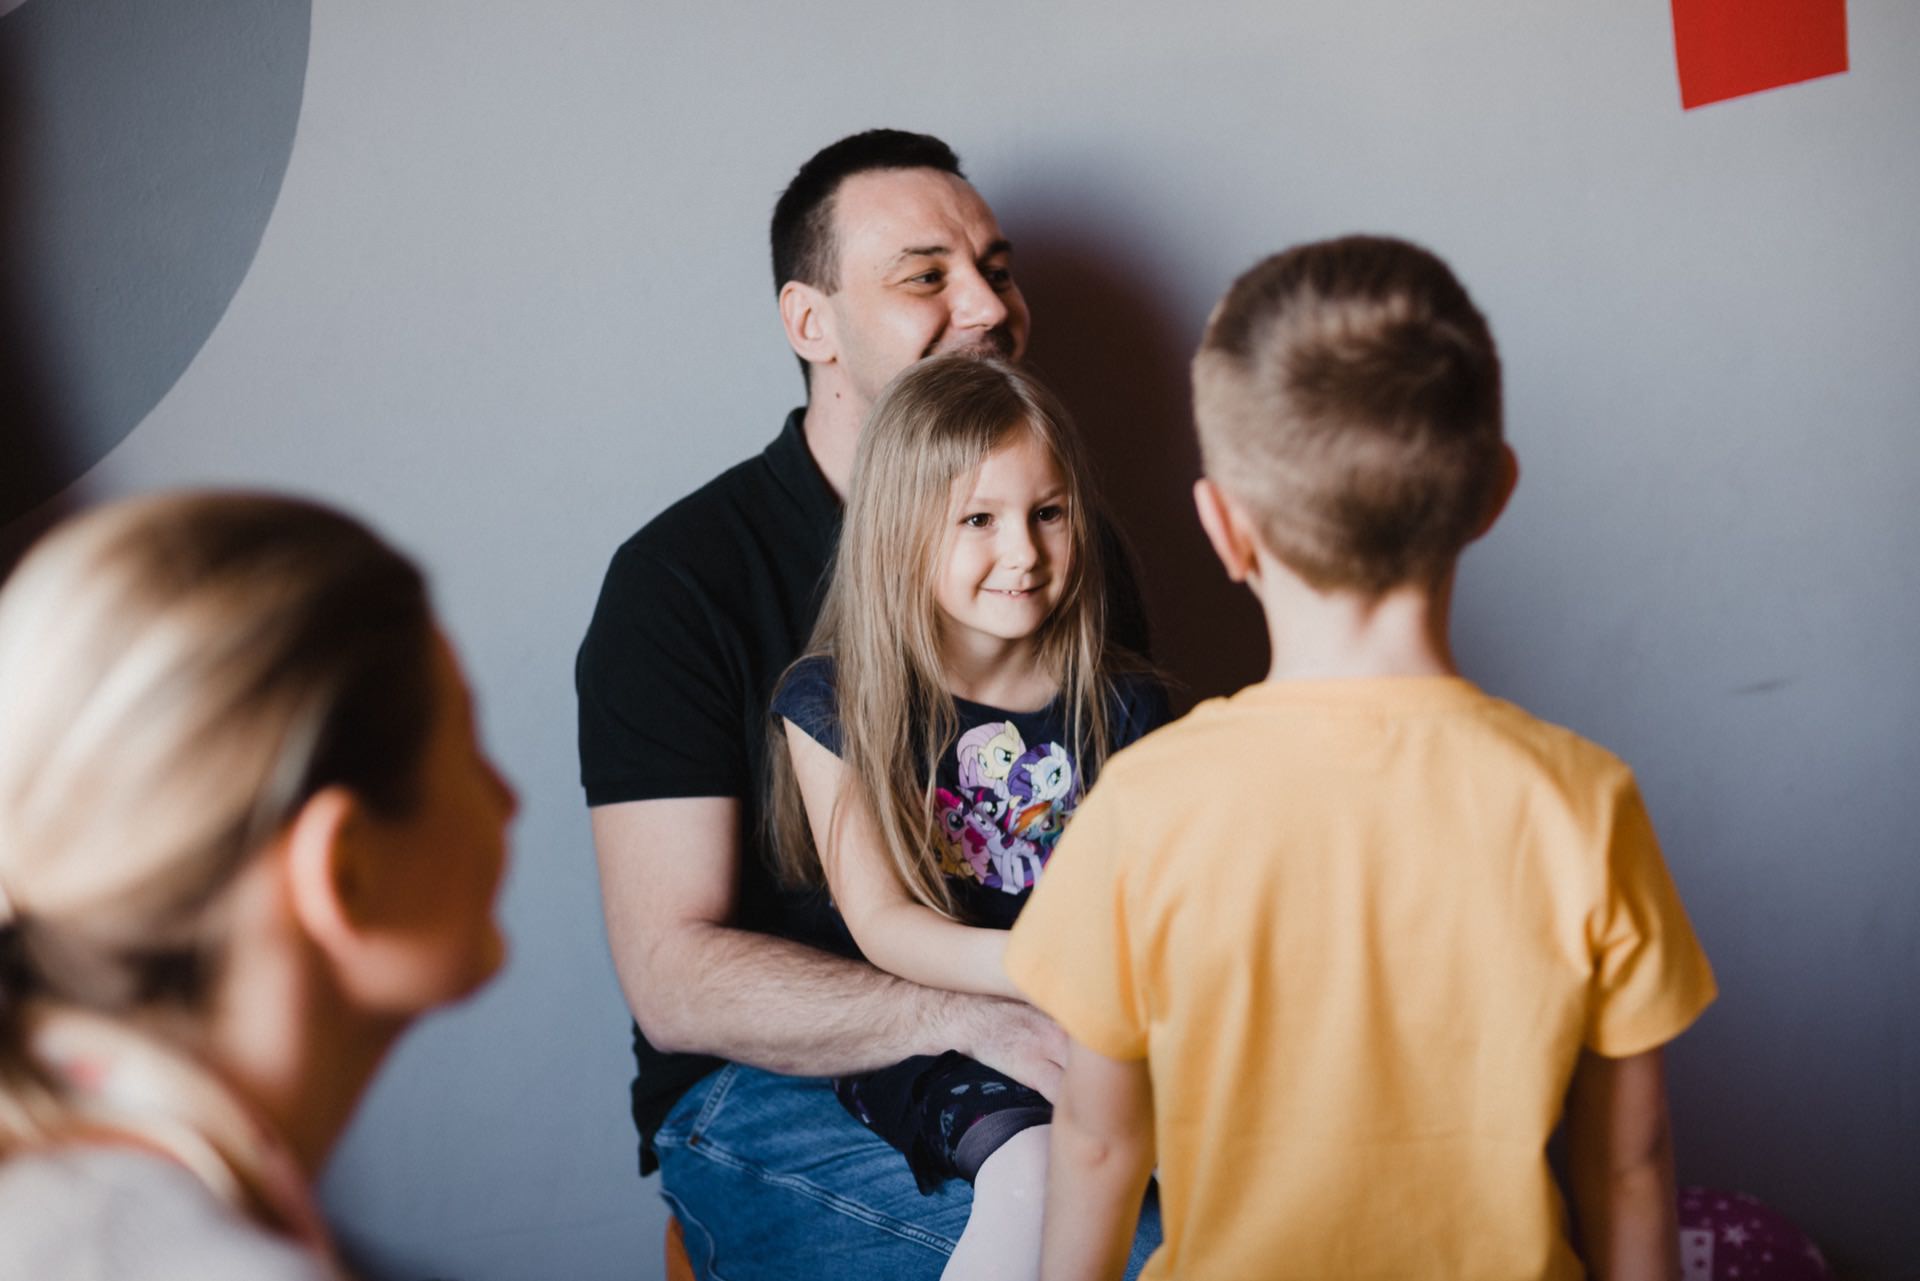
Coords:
246,837
957,696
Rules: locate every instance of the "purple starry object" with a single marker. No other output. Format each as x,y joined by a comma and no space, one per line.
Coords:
1730,1236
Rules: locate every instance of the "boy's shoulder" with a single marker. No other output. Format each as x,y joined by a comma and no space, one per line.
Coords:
1246,734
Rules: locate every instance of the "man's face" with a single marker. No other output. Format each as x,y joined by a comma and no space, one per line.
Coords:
923,268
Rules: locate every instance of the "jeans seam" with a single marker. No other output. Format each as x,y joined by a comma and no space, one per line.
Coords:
722,1085
824,1196
707,1268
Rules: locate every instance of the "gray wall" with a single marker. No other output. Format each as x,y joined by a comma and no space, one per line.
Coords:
513,299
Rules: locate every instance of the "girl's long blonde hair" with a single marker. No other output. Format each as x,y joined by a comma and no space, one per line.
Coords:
178,675
933,425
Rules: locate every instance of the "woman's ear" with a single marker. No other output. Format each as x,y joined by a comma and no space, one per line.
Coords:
1232,537
325,880
803,314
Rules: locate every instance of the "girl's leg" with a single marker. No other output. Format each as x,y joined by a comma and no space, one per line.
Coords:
1002,1237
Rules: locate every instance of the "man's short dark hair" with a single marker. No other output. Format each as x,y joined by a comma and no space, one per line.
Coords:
803,246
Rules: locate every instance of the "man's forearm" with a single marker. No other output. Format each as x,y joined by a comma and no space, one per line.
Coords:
698,986
786,1007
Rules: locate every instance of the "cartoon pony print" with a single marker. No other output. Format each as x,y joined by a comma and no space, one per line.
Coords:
958,855
987,753
1041,793
1012,863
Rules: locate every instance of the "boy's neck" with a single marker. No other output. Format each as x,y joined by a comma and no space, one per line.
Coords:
1345,636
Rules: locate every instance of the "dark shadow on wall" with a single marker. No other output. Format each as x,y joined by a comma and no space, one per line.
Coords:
32,457
1116,350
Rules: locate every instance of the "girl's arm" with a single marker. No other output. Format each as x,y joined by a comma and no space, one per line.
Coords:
1621,1153
895,933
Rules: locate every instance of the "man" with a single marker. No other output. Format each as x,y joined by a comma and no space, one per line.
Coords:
744,994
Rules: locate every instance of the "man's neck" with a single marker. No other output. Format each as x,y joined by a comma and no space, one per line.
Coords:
1342,635
832,425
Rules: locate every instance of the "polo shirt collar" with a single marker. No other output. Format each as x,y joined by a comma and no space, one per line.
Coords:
793,466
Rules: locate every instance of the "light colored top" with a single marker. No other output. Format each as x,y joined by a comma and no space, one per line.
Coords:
1361,931
117,1213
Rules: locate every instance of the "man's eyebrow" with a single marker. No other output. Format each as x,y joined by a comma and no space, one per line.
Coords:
918,251
994,250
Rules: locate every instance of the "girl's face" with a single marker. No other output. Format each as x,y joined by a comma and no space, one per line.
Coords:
1007,548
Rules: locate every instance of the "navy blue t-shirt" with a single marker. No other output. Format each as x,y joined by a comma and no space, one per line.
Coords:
1004,789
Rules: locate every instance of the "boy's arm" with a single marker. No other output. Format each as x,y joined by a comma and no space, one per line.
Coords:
1621,1151
894,932
1101,1156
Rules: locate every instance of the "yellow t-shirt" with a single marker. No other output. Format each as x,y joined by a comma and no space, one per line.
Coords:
1360,930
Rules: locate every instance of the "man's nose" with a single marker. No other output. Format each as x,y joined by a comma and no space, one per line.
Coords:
976,303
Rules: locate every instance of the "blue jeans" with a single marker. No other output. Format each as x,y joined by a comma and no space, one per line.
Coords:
773,1181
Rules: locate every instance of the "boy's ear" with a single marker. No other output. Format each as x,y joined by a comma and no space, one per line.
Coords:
803,314
1229,532
326,882
1502,491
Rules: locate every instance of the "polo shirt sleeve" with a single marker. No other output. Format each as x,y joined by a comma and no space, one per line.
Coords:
659,701
1650,977
1072,949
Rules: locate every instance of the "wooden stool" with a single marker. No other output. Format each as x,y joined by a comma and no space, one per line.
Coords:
679,1266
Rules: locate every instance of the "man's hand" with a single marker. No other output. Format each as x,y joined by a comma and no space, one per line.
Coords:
1011,1037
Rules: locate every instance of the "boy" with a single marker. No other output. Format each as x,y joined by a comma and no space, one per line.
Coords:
1335,951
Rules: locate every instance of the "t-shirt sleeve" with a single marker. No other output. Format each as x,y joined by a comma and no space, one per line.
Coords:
1072,950
659,700
1650,977
806,696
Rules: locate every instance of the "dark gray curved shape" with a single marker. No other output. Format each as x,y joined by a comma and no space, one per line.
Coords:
142,147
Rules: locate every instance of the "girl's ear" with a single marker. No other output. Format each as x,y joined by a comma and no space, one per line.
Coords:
325,881
804,316
1232,537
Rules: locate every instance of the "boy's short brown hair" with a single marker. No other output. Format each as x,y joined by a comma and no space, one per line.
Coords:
1347,394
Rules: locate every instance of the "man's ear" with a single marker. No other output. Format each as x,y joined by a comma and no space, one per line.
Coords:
326,881
1229,532
1508,481
806,318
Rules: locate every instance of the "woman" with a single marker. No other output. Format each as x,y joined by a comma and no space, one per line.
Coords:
247,835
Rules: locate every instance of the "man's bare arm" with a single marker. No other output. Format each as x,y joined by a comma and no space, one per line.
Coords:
1621,1153
669,878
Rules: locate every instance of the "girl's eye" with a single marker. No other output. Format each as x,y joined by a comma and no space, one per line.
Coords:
978,520
1050,513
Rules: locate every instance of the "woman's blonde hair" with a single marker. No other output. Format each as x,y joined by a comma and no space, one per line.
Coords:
932,426
178,676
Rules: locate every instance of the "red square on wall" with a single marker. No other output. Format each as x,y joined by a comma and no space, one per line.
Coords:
1727,48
